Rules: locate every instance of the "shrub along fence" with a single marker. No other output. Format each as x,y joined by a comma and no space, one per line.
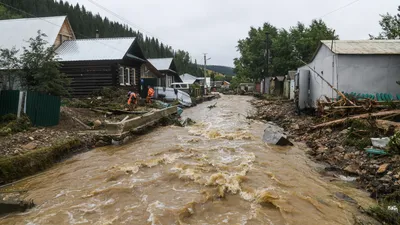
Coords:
42,109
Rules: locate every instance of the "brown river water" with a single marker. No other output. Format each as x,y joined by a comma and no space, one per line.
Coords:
218,171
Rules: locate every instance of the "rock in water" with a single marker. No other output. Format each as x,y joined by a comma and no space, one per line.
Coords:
97,123
275,135
15,206
342,196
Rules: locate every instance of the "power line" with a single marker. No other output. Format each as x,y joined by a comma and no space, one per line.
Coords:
57,25
345,6
138,28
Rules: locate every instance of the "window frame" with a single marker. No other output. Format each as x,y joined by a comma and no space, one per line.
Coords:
133,70
128,77
121,73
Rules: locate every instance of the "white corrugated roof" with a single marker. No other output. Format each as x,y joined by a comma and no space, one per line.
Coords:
367,47
95,49
188,78
161,63
16,32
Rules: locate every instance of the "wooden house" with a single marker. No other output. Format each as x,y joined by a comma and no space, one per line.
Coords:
168,70
102,62
15,33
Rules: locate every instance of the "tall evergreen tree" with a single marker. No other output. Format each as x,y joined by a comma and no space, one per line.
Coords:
85,23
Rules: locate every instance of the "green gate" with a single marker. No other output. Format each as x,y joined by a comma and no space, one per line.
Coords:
42,109
144,82
9,102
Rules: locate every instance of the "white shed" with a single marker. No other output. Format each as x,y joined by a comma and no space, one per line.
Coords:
363,67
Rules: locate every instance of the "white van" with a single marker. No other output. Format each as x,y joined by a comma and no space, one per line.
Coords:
181,86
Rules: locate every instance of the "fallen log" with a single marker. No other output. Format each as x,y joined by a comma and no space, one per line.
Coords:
81,123
102,111
386,124
362,116
129,112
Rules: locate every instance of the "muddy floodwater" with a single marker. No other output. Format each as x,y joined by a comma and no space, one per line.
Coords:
217,171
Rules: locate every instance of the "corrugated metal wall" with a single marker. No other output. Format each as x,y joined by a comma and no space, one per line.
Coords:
43,110
9,102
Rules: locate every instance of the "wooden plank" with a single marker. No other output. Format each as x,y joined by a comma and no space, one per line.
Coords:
362,116
102,111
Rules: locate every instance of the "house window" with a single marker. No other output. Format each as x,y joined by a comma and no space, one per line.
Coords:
127,76
121,76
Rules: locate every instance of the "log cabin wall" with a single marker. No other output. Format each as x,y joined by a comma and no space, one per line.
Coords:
88,77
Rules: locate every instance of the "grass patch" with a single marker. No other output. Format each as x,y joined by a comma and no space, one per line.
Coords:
360,133
17,167
394,144
384,215
12,125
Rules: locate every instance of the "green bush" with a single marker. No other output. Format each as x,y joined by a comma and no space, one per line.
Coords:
18,125
384,215
8,117
5,131
360,133
394,144
74,103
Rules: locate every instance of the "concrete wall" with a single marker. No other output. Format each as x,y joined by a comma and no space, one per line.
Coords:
322,63
120,128
369,73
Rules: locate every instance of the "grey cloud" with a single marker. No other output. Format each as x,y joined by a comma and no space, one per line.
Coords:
215,26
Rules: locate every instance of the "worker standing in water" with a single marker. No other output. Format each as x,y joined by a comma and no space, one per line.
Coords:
150,94
132,100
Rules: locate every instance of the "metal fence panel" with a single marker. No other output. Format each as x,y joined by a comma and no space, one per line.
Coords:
9,102
42,109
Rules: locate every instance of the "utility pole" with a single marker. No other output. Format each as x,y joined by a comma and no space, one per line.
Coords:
205,72
267,57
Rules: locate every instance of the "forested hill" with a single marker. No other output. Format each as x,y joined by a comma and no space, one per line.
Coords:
222,69
85,24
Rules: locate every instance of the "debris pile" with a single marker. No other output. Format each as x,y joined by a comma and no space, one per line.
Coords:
345,143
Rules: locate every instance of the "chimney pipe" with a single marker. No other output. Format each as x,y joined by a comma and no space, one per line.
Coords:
97,33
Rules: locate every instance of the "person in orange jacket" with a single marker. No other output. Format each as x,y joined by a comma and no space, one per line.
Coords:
150,94
132,100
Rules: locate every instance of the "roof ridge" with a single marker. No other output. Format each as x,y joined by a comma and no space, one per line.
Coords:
99,39
380,40
31,18
163,58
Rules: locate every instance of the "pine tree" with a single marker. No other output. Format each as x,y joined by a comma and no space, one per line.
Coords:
84,23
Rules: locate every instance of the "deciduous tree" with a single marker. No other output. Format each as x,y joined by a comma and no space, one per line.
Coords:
10,66
390,26
41,68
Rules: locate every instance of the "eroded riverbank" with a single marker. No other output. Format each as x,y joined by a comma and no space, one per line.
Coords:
215,172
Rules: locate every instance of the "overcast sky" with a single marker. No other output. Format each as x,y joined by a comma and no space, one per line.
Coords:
215,26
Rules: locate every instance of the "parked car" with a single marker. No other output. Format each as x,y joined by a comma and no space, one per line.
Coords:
170,94
181,86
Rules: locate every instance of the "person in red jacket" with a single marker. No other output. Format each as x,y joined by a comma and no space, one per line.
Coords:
150,94
132,100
